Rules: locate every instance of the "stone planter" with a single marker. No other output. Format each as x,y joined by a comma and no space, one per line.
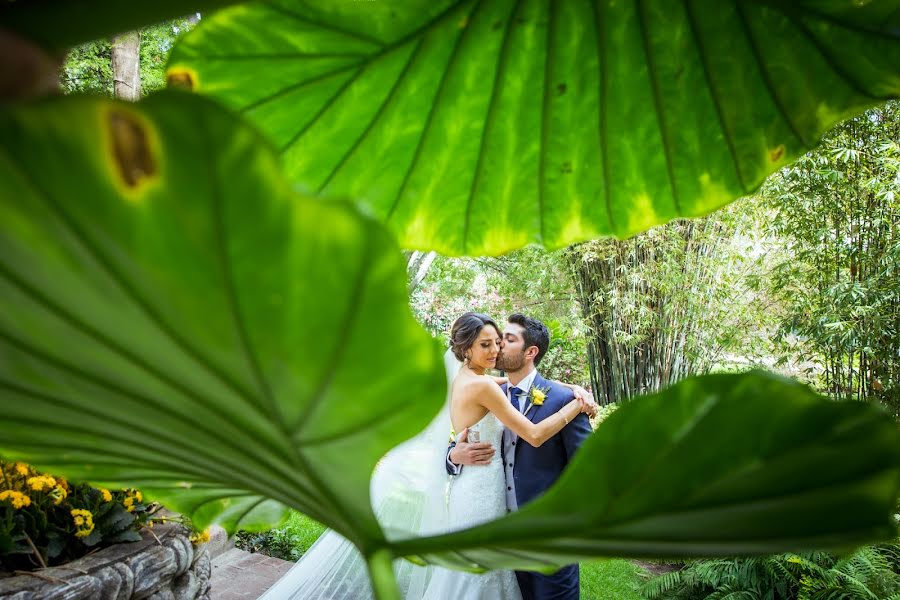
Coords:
168,569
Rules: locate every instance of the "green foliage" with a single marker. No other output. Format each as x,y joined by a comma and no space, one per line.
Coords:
88,68
156,42
604,413
530,281
480,127
46,520
868,573
673,301
288,541
838,210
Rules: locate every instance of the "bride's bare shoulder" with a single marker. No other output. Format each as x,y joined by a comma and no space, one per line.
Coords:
473,384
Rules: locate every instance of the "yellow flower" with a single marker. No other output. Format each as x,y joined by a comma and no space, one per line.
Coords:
128,503
58,494
107,496
200,538
17,499
41,482
22,469
84,522
537,397
138,496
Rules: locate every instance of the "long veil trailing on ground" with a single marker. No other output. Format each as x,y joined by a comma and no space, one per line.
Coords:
408,496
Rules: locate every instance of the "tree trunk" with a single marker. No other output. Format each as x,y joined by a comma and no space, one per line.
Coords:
417,265
644,334
126,66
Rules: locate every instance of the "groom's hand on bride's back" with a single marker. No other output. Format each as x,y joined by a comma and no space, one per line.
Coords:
464,453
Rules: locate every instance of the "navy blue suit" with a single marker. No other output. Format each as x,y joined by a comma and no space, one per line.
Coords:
534,471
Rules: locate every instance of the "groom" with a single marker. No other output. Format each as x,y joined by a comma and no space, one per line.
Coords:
529,470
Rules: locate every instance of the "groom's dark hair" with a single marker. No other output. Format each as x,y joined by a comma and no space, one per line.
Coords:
536,334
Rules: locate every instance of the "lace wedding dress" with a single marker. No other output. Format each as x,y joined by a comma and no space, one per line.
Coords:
477,495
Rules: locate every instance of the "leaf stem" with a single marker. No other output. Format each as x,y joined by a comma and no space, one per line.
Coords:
37,552
381,574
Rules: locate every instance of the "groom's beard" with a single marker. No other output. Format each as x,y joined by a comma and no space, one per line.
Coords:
511,362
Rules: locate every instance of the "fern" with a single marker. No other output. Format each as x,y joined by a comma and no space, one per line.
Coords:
658,586
869,573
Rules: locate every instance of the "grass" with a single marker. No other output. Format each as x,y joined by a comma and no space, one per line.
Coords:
611,579
608,579
304,530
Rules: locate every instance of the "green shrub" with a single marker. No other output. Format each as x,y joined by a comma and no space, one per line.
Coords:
287,542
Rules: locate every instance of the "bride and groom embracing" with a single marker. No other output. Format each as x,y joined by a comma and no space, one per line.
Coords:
537,424
527,430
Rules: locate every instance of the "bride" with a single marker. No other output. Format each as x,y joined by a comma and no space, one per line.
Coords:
411,493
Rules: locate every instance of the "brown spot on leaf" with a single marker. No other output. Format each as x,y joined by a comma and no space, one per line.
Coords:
130,148
566,167
560,89
776,154
180,78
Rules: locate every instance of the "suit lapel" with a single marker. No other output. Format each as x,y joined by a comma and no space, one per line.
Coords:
537,381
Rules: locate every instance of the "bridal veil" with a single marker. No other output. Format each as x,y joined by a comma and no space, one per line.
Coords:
408,493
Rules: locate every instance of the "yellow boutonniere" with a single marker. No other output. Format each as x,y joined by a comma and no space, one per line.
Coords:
536,396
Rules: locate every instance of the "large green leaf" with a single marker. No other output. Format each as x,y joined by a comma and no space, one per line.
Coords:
713,466
175,317
475,127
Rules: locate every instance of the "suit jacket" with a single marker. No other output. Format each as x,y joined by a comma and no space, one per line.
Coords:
536,469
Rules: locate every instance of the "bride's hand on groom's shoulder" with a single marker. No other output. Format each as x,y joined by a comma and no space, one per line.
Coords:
586,399
464,453
581,394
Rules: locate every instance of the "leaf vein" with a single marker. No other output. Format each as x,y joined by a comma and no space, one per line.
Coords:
714,94
658,103
486,130
378,114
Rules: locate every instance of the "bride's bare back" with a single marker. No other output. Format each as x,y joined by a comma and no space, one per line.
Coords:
465,410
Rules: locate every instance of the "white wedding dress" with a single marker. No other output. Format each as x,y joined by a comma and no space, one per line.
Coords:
408,491
477,495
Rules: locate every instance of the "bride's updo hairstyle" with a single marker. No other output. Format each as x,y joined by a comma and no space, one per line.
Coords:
465,331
